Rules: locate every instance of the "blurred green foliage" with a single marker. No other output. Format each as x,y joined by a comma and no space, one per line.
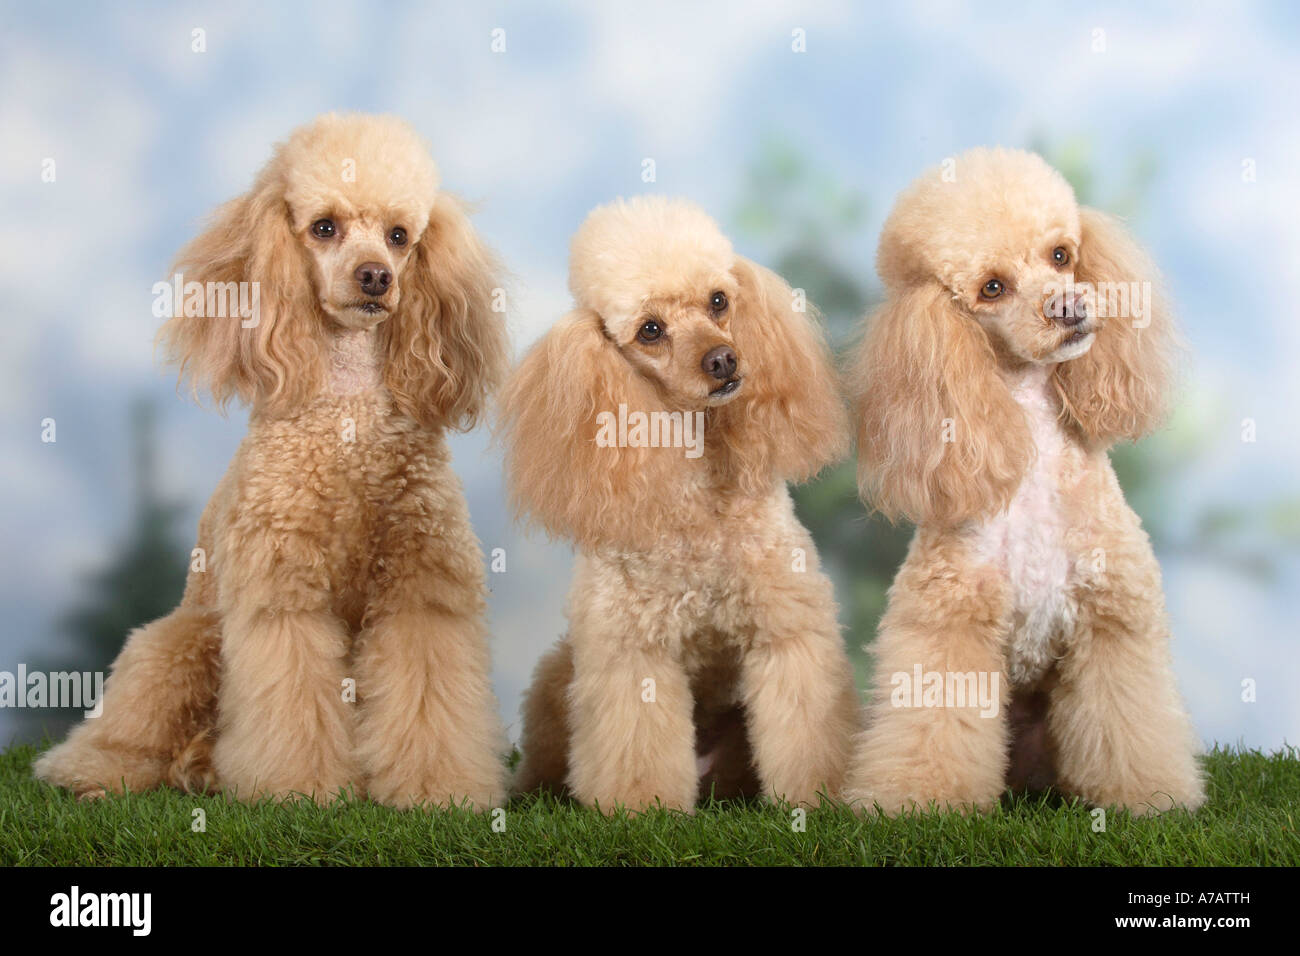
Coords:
141,581
809,217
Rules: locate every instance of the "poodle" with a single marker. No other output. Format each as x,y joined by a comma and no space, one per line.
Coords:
331,636
655,427
1025,642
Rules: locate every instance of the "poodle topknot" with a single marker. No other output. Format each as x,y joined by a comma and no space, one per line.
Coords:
627,251
939,225
352,161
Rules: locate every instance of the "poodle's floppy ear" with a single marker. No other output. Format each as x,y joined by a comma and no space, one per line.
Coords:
446,348
940,438
553,409
1118,388
273,356
789,420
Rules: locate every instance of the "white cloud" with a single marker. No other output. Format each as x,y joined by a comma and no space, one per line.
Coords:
69,252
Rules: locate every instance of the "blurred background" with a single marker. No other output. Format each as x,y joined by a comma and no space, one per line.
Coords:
794,124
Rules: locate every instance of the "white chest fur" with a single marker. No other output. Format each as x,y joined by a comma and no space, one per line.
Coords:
1027,542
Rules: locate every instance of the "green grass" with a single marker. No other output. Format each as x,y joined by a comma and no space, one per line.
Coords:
1250,820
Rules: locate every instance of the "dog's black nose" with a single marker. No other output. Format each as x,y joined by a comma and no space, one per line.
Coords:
1069,311
373,278
720,362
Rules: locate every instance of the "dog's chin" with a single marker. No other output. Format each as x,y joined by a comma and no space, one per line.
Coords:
724,392
357,315
1075,344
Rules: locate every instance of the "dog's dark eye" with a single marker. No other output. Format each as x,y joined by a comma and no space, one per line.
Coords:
1060,256
397,236
992,289
650,331
718,302
323,229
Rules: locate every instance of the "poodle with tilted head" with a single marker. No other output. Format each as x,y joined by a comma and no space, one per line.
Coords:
1026,642
655,427
331,636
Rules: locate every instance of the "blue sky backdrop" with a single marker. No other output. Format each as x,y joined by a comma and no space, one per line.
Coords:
149,135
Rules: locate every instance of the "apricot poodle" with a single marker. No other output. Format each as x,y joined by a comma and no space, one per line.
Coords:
655,427
1023,335
331,635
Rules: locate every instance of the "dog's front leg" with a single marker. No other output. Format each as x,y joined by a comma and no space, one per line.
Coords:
945,623
428,732
800,700
284,729
1123,736
631,713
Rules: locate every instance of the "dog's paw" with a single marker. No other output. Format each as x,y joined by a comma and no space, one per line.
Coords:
479,796
876,803
637,802
811,796
97,771
319,792
1144,802
892,803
